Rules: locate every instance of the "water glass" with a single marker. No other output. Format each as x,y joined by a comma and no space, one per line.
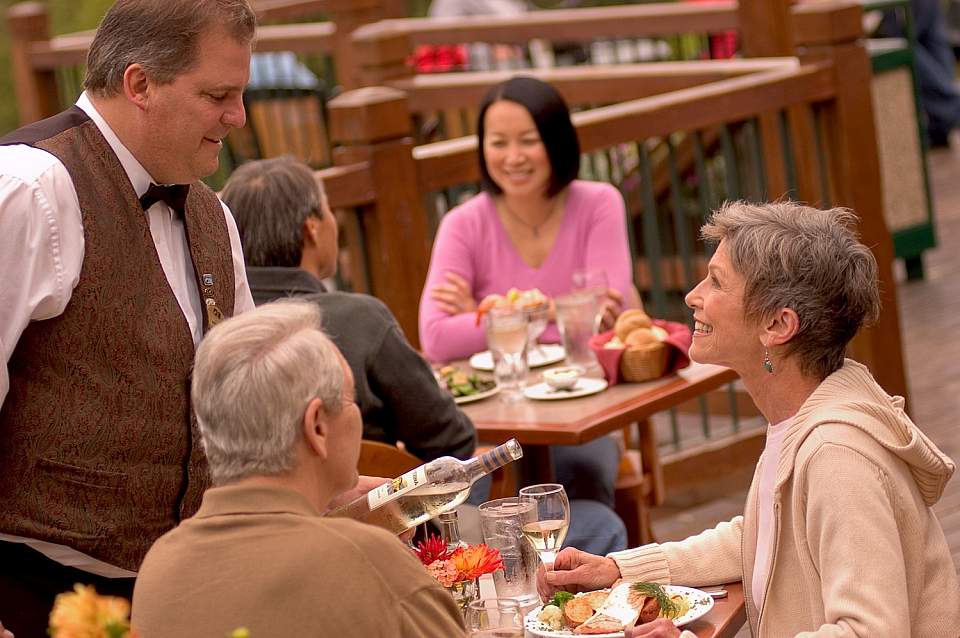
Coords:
495,618
593,282
576,317
507,338
501,522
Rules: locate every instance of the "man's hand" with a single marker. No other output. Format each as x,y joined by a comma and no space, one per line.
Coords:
575,571
455,296
659,628
364,485
5,633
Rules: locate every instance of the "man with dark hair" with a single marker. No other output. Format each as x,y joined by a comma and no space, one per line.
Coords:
111,281
290,244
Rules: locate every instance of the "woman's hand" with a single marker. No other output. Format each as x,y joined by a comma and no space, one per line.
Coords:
659,628
575,571
612,306
455,296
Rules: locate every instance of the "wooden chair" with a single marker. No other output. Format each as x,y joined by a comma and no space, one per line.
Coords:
639,484
383,459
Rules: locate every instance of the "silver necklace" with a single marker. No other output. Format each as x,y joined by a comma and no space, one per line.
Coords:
534,228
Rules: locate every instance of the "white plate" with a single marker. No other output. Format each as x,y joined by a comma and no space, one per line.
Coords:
585,386
546,354
470,398
700,604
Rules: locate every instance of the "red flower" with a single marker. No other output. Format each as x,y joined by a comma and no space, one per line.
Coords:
476,560
435,548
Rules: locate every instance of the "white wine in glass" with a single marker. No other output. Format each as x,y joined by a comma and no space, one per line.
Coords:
546,534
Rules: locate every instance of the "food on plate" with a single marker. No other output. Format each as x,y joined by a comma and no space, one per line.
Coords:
527,300
563,378
610,611
630,320
577,611
461,384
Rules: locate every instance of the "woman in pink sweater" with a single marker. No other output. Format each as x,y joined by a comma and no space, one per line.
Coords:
532,227
838,538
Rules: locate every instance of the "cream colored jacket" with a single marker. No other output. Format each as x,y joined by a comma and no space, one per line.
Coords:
858,552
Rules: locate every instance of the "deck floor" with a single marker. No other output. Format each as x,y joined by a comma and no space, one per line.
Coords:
930,324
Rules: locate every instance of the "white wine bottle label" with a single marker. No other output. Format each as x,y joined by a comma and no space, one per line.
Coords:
397,487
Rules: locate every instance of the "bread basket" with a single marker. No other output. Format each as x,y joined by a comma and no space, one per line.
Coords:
644,363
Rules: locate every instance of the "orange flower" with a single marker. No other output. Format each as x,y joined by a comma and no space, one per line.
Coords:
83,614
476,560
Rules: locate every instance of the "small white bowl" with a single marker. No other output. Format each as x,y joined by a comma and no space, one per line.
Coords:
564,378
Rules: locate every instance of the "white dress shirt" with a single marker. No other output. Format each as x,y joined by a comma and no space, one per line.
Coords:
41,254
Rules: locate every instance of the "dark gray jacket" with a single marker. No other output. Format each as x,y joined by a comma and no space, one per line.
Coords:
398,395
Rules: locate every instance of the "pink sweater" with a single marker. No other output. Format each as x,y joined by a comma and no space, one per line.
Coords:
473,243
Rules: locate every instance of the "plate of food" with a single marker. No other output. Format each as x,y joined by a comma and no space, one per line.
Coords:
466,387
543,355
604,613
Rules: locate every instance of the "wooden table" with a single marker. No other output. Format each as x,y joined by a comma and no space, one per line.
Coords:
726,618
539,424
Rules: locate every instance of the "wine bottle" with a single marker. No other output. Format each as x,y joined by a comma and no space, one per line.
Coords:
427,491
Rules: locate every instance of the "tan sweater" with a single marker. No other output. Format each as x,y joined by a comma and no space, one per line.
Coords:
262,558
858,551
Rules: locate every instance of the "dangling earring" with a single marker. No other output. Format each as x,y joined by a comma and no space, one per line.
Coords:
767,363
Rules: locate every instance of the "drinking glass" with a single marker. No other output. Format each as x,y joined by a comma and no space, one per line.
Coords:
594,282
501,522
546,534
537,318
507,338
576,317
495,618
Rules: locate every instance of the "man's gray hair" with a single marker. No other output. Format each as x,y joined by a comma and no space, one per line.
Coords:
809,260
162,35
270,199
253,377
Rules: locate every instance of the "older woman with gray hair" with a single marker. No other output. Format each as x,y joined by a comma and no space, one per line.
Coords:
838,537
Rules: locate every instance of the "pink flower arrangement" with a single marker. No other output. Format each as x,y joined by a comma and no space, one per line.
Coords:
462,564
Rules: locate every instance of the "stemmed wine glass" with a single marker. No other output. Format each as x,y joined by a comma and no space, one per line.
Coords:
507,338
546,534
537,318
595,282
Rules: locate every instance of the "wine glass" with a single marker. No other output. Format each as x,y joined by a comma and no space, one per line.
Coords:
595,282
507,339
495,618
546,534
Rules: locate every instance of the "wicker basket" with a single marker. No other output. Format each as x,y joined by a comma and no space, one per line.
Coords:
644,363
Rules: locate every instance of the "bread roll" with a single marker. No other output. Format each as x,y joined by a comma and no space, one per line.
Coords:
630,320
640,337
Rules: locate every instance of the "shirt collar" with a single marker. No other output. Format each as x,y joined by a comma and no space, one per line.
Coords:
136,173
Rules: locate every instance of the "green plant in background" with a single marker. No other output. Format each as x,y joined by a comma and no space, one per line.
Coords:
66,16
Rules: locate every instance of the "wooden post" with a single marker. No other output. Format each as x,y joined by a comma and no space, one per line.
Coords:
380,54
348,20
855,183
37,95
766,31
373,125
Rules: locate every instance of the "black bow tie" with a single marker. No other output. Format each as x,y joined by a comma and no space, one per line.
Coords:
175,196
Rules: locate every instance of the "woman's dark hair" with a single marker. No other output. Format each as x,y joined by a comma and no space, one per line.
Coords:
552,117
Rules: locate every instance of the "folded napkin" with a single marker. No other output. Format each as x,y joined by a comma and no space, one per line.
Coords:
679,338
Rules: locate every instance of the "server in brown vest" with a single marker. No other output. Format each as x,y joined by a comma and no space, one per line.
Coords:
109,282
